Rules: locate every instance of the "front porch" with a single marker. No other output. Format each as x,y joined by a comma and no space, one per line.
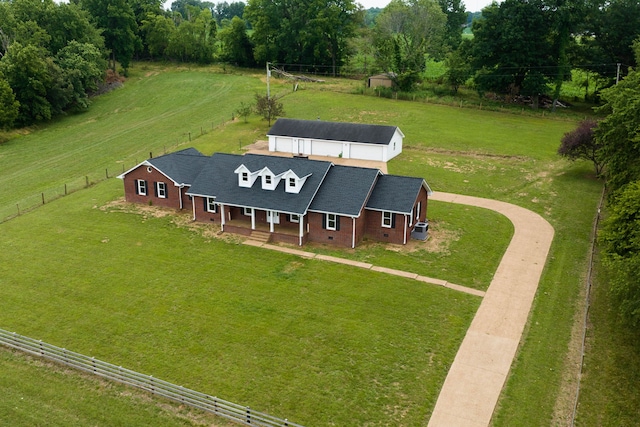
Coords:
261,231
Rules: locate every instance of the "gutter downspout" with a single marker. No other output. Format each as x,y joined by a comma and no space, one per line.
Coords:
405,230
301,233
353,234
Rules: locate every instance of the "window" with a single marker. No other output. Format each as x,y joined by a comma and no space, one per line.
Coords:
141,187
248,211
388,220
211,205
332,222
245,176
292,182
267,179
161,190
294,218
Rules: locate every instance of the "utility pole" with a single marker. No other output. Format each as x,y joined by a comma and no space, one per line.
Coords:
268,75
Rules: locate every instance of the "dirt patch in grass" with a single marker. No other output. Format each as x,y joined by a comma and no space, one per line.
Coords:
473,154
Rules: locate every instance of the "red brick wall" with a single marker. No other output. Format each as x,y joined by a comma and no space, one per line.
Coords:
130,181
375,230
202,214
318,234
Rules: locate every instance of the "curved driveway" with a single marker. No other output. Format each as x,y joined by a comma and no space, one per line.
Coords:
480,368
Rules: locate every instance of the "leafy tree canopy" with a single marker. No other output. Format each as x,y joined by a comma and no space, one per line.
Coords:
619,132
580,143
407,31
302,32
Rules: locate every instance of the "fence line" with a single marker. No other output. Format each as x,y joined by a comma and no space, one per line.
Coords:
587,303
232,411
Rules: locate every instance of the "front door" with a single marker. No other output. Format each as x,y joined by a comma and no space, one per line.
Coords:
273,216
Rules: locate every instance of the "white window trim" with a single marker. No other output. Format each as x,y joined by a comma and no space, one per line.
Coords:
294,218
161,188
268,179
387,219
142,187
244,176
332,218
212,206
292,182
247,211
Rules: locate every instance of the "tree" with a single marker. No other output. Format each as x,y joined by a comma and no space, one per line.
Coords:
225,11
458,68
456,18
236,45
26,70
307,33
405,32
9,107
244,111
580,143
158,30
268,107
83,68
119,27
620,240
194,40
512,49
619,132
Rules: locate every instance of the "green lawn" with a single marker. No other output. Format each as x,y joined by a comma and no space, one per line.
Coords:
36,393
256,327
315,342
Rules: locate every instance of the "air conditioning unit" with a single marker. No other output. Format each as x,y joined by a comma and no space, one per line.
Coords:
420,231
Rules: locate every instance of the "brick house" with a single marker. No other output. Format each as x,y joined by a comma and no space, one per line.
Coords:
335,139
163,181
295,200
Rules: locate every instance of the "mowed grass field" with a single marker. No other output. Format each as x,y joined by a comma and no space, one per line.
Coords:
314,342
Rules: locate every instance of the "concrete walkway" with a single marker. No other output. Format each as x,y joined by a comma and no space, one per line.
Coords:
480,368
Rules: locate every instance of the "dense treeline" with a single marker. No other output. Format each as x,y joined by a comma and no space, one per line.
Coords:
52,55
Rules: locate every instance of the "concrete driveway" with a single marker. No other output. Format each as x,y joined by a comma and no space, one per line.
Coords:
480,368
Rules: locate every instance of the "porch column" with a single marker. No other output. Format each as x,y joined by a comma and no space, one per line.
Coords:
194,210
253,219
222,218
271,221
301,233
180,197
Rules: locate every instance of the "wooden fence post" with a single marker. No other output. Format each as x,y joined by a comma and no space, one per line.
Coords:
86,180
42,198
106,173
65,189
18,206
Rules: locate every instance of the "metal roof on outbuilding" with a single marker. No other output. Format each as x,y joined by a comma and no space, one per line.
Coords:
334,131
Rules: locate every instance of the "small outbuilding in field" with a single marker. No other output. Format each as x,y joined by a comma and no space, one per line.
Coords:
335,139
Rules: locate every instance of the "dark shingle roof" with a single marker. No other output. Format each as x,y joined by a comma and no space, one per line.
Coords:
218,180
334,131
182,166
395,193
345,190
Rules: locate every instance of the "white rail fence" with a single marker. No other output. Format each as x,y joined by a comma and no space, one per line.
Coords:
223,408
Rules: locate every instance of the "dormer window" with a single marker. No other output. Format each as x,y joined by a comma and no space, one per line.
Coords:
267,179
245,176
292,182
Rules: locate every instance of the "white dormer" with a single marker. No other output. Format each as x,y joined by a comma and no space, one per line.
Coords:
293,183
269,179
246,178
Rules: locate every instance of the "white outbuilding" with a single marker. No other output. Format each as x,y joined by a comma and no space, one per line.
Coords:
335,139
